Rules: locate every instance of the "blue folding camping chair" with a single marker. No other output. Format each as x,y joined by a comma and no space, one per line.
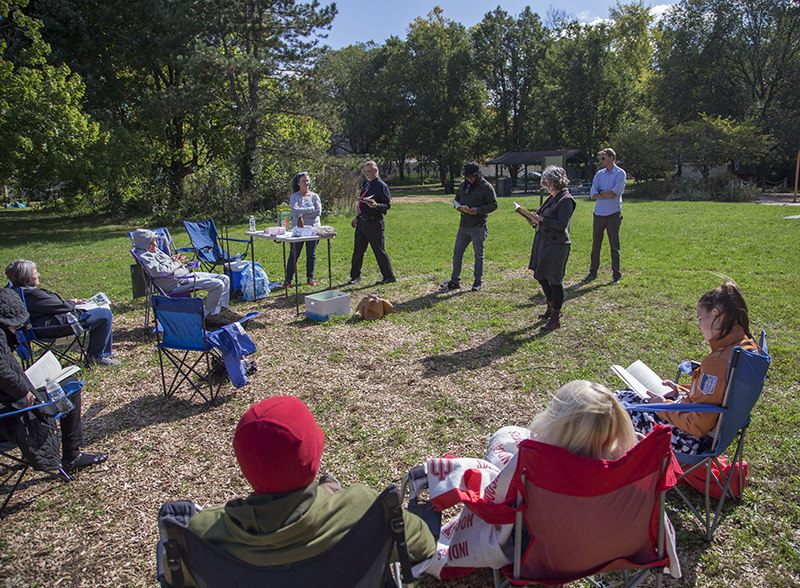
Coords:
208,245
68,347
18,466
747,372
180,328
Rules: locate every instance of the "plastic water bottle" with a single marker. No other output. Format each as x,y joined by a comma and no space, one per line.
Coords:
56,394
252,224
75,324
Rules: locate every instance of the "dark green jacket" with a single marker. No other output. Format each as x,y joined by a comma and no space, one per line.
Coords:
278,529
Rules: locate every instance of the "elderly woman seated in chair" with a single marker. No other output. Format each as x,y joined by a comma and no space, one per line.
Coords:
17,392
171,275
47,309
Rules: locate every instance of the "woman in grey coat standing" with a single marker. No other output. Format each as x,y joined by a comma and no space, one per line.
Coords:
551,245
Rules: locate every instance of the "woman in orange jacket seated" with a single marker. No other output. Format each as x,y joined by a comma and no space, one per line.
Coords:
724,323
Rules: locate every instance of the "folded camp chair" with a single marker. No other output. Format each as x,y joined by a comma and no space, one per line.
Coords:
152,287
747,372
577,517
12,465
360,560
183,339
208,245
36,341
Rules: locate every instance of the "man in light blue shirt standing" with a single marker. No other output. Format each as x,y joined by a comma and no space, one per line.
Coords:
607,188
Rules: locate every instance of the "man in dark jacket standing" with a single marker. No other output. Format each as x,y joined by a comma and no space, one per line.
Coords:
373,204
475,200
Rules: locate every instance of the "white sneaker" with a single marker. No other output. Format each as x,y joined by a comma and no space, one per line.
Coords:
106,361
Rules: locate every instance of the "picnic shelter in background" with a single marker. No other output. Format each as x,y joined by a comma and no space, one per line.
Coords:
531,163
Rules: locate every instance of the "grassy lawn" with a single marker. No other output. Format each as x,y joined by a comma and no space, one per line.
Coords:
440,375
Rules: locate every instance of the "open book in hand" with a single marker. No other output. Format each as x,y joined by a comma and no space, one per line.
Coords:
640,379
47,366
460,207
99,300
525,212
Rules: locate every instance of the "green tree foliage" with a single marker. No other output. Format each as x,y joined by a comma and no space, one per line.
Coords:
507,54
443,90
349,78
44,131
732,59
585,89
184,86
713,140
257,47
632,39
147,88
642,142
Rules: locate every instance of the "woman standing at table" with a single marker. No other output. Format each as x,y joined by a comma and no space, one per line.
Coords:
305,204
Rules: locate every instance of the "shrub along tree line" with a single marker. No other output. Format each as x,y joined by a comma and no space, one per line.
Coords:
174,109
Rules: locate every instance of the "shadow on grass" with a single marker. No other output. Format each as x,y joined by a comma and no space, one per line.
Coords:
147,411
572,292
52,227
430,300
501,345
32,479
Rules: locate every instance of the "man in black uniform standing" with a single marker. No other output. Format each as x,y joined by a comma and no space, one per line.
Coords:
373,203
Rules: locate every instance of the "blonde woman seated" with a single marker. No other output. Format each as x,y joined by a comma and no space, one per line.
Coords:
583,417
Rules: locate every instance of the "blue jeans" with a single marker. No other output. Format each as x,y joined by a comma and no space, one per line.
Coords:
476,235
100,321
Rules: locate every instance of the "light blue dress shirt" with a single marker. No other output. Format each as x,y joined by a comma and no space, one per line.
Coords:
608,180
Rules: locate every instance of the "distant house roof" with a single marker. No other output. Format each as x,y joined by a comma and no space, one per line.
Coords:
535,157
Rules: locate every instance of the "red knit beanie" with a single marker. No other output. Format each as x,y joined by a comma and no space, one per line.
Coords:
278,445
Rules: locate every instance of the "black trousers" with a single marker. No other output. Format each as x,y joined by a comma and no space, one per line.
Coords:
370,232
72,430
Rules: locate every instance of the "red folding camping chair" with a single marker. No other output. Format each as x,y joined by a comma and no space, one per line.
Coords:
577,517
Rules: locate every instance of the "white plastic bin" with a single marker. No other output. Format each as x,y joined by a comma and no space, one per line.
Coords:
320,307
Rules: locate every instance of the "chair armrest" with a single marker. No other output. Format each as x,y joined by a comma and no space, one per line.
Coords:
247,317
185,249
69,389
233,239
674,407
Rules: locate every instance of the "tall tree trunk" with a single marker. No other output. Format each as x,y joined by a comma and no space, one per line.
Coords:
247,165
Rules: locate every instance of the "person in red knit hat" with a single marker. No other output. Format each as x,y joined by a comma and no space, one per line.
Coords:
291,515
